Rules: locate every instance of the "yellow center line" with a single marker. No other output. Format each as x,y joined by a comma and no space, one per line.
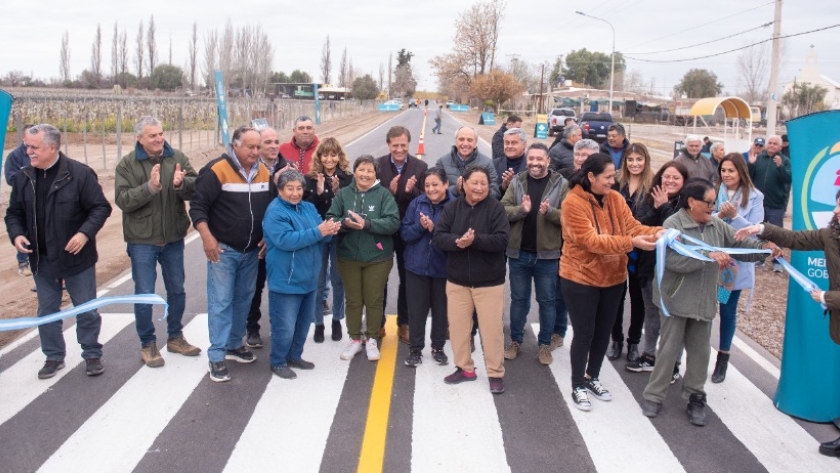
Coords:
372,455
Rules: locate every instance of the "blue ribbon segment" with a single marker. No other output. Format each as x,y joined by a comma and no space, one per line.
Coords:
31,322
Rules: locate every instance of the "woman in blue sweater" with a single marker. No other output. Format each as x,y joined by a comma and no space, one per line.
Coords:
293,233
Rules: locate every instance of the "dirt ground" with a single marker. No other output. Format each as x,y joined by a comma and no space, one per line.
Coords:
764,322
16,298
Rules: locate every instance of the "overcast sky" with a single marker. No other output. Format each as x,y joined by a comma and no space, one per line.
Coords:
370,30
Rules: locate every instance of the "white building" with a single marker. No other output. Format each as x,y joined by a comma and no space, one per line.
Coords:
811,74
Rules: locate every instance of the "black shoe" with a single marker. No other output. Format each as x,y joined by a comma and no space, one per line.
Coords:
414,358
644,363
49,369
697,409
614,352
650,408
336,331
632,352
301,364
240,355
497,385
253,340
719,374
439,356
93,367
283,371
218,371
319,334
831,449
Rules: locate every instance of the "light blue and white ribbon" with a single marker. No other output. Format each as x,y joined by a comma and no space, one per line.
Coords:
30,322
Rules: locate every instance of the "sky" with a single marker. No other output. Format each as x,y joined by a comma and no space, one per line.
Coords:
370,30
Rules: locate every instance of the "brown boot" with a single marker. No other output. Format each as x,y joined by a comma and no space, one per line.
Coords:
179,344
150,355
403,334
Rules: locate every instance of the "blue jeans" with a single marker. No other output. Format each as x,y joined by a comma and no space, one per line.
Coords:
22,257
144,261
561,320
81,288
437,125
544,274
290,315
329,258
728,320
230,287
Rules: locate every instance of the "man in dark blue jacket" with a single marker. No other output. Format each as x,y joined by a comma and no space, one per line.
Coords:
55,211
15,161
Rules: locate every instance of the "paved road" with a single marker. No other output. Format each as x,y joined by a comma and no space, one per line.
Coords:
363,416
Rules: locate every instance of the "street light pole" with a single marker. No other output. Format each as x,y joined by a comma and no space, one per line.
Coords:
612,56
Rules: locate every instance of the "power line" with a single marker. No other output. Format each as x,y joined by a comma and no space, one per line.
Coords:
709,42
704,24
732,50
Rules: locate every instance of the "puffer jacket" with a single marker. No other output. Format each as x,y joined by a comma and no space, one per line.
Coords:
827,240
689,286
596,238
455,167
293,251
382,219
421,257
549,235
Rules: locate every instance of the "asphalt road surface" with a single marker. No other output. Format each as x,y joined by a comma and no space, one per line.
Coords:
364,416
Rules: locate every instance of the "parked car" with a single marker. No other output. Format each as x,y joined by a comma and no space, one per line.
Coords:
557,118
595,125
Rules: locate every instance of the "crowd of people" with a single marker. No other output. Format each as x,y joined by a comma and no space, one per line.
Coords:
577,221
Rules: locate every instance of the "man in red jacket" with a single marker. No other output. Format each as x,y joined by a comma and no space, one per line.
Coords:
303,145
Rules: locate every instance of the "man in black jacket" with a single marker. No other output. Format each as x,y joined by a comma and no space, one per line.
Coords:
498,144
55,211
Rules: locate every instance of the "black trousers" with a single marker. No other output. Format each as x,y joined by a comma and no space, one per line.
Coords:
253,324
637,313
426,293
592,311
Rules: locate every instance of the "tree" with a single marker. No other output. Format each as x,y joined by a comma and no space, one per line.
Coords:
226,47
477,34
497,86
633,82
211,45
115,55
754,73
699,83
404,83
166,77
139,51
804,98
326,61
193,54
151,45
592,68
404,57
381,76
556,72
454,75
342,70
65,58
300,77
390,72
279,77
364,88
96,57
122,59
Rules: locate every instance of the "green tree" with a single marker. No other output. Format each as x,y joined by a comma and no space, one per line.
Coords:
804,98
299,76
280,77
404,57
166,77
365,88
699,83
592,68
556,72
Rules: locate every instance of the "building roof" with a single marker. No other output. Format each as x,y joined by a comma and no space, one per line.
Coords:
733,107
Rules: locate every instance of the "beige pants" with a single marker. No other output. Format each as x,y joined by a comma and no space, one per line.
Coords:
488,303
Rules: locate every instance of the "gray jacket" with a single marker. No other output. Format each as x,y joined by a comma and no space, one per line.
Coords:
699,166
549,234
455,167
689,285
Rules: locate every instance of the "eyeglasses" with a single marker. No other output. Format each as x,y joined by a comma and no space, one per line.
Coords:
710,204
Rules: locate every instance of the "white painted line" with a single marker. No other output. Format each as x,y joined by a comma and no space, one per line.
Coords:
466,412
305,407
614,430
120,281
139,411
189,239
20,341
20,383
756,357
102,292
775,439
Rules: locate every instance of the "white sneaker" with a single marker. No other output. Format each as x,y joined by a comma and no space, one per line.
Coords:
353,349
372,350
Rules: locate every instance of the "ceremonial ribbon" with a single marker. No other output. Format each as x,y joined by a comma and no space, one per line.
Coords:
30,322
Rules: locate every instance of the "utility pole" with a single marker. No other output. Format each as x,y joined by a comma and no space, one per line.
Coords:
542,79
774,71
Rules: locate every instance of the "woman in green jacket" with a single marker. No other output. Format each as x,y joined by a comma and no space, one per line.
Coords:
369,218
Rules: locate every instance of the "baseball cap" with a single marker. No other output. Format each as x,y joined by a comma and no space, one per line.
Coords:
759,141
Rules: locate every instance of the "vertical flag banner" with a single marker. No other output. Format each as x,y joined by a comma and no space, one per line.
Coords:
810,357
221,102
5,110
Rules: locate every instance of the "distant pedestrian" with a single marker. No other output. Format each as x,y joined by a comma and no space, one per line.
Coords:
438,120
498,142
16,160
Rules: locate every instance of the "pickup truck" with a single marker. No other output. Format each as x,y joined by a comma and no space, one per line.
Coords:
556,119
595,125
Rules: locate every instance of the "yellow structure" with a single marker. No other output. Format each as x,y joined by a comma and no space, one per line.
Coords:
734,108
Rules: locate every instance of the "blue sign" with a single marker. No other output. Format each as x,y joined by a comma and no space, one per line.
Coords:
809,353
459,108
389,107
5,110
487,118
221,102
317,104
542,130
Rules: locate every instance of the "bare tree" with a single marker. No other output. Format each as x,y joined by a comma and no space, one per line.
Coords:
193,54
633,82
122,58
115,60
65,57
351,73
261,59
381,76
754,72
96,56
390,72
151,45
226,52
326,61
342,70
139,51
478,43
211,46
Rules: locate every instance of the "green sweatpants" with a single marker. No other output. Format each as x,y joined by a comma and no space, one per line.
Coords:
364,288
675,332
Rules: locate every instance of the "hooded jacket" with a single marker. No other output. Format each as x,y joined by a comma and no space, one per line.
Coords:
549,234
293,247
159,218
421,257
455,167
375,242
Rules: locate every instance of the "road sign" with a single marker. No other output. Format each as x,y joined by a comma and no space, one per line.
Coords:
541,130
221,104
487,118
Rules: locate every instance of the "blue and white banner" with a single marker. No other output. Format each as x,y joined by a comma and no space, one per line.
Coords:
221,102
31,322
6,100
